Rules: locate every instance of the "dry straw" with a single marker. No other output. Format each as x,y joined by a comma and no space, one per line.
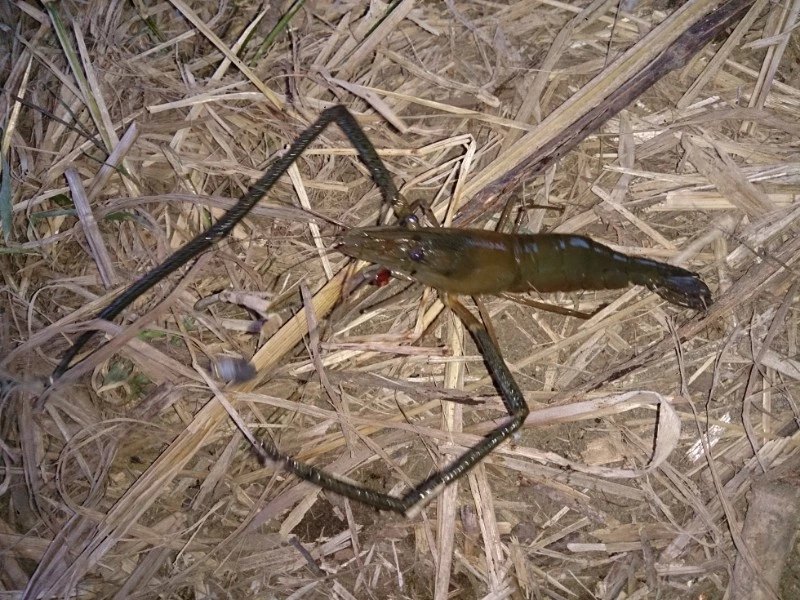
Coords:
128,127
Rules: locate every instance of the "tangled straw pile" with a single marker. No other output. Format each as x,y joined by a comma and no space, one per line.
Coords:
129,127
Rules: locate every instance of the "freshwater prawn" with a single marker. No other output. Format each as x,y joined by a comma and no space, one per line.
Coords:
454,262
475,261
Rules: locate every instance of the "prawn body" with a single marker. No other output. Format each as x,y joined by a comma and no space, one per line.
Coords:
476,261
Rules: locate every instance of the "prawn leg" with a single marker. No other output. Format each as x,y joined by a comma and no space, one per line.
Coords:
336,114
553,308
413,501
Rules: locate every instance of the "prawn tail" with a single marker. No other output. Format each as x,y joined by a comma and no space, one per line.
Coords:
680,287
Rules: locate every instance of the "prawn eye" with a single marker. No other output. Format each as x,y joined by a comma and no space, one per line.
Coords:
416,254
411,221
